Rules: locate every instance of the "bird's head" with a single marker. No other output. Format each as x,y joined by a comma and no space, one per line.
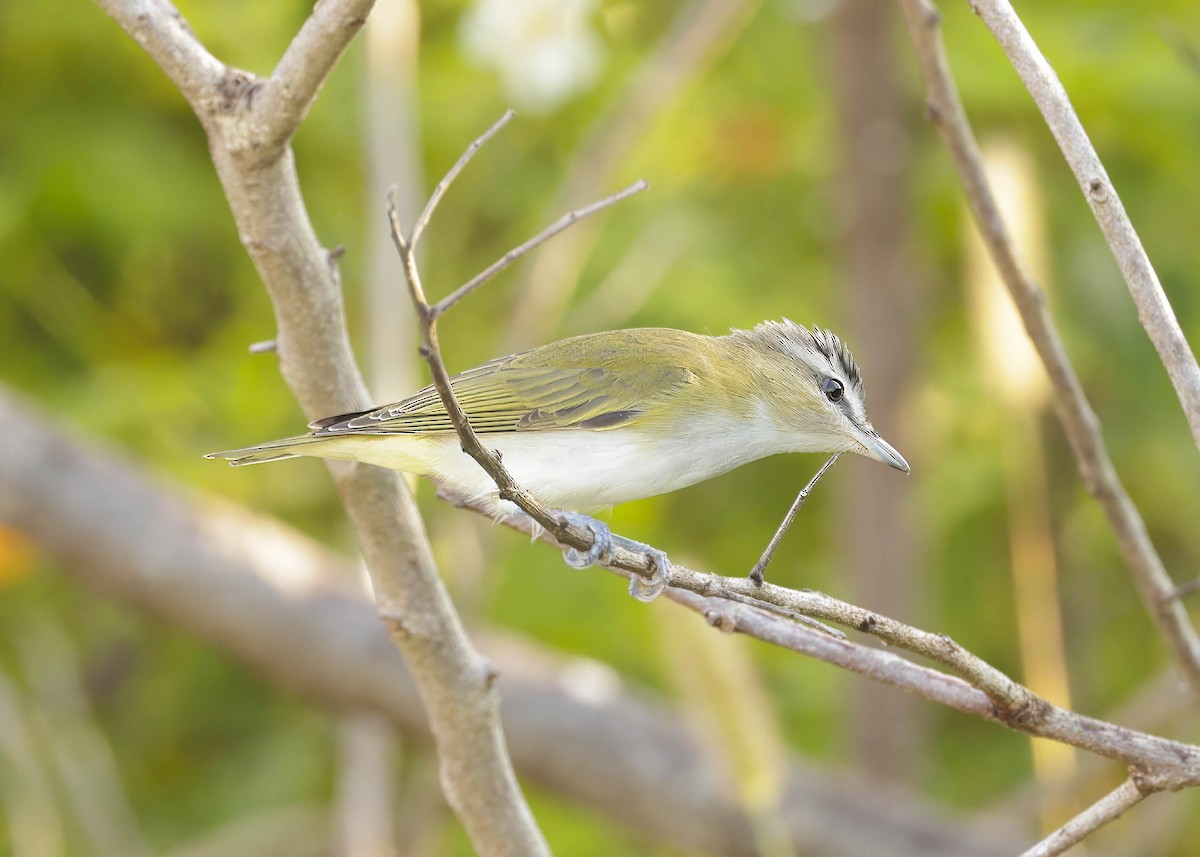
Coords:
812,388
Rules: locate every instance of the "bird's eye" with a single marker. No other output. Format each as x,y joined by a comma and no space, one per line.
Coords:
833,389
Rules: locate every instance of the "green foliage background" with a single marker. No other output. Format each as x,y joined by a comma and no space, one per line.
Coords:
127,304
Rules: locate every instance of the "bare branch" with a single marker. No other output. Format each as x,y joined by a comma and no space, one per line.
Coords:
567,220
1108,808
1154,309
286,96
574,534
1186,588
165,36
1075,413
979,688
448,179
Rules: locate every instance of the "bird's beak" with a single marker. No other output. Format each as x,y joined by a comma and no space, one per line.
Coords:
873,446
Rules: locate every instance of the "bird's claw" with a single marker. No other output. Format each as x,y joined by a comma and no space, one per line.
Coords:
641,588
648,589
601,545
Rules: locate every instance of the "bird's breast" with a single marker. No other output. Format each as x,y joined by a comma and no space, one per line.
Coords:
582,470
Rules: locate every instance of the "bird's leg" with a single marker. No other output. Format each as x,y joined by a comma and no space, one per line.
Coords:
601,547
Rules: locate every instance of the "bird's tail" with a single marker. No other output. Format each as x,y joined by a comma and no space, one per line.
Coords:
275,450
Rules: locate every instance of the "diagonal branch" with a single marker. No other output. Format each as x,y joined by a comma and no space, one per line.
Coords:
1154,309
1075,413
290,91
566,221
1108,808
976,687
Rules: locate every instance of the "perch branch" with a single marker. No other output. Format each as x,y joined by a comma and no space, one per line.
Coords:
1075,413
976,687
1154,309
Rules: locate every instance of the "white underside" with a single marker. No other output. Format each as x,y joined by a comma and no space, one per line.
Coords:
579,470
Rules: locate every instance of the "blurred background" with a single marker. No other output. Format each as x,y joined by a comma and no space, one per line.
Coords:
792,174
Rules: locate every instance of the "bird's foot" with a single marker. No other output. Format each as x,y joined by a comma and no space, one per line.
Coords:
647,589
601,546
641,588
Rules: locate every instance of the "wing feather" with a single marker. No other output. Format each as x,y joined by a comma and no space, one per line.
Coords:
522,393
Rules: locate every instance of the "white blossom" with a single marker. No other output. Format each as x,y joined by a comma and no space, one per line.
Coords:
544,50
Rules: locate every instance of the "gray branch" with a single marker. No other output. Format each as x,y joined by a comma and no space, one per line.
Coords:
1154,309
247,132
744,605
1108,808
736,604
290,91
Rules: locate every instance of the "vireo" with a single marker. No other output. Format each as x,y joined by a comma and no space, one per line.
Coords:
600,419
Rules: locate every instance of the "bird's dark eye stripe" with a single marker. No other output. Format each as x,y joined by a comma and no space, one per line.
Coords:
833,389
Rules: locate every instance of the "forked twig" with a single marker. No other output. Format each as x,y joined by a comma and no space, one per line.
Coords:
567,533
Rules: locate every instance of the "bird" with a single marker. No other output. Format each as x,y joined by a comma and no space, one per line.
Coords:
592,421
604,418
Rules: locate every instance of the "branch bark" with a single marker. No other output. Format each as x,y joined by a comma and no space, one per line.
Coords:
736,604
279,602
1153,306
249,122
1075,413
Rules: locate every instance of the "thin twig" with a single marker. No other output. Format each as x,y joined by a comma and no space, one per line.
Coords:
756,573
1154,309
1075,413
1185,589
1108,808
444,185
567,220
